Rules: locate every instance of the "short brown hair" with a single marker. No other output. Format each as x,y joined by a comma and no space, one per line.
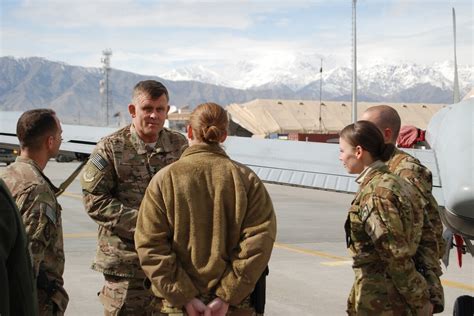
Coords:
387,117
154,89
366,135
34,125
209,122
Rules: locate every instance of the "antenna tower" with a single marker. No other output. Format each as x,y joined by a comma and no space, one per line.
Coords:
354,63
104,85
320,96
456,93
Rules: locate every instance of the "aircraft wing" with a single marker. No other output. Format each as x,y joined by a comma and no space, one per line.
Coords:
308,164
8,137
77,139
8,141
305,164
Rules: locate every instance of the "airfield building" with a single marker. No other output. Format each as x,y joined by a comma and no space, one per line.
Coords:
314,121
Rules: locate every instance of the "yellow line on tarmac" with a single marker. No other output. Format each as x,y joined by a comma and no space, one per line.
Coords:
337,263
81,235
343,261
73,195
339,260
457,285
310,252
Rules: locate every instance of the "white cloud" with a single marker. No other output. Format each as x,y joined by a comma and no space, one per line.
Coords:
128,13
283,22
152,37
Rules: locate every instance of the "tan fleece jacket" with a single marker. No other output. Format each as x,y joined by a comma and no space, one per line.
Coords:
205,225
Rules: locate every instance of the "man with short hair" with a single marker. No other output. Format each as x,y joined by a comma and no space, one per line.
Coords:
39,133
114,182
431,247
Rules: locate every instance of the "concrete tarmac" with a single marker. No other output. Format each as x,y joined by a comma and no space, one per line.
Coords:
310,270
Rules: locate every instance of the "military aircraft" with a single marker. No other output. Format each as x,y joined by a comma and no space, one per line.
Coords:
315,165
450,136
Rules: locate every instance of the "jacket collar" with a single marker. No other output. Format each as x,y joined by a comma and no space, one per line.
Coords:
163,144
204,148
370,171
37,169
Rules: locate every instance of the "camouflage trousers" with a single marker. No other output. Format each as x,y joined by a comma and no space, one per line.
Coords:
122,296
373,294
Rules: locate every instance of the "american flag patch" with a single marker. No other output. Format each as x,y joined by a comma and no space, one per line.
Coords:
99,161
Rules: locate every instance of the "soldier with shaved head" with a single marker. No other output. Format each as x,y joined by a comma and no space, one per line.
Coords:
432,245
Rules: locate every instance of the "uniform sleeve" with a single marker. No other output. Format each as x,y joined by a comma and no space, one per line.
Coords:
40,220
428,263
98,186
250,258
8,233
385,228
432,245
153,243
421,177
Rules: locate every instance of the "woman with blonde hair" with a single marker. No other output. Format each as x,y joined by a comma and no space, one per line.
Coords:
383,229
206,226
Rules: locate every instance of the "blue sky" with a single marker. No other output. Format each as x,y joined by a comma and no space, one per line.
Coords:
152,37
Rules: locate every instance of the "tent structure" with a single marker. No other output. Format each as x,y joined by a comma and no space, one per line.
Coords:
266,116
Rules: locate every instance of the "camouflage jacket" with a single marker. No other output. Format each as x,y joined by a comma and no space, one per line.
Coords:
41,213
206,227
17,290
383,229
432,244
113,182
409,168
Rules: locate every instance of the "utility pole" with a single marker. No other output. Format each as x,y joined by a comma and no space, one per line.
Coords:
354,63
105,85
456,93
320,95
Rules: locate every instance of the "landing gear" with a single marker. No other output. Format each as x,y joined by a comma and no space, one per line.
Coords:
464,306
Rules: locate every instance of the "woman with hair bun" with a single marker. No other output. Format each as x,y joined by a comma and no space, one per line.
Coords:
206,226
383,229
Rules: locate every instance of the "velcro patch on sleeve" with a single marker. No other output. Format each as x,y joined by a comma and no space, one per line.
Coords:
99,161
365,213
49,211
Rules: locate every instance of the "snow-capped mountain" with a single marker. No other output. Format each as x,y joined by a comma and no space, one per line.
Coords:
292,71
73,91
301,74
389,79
196,73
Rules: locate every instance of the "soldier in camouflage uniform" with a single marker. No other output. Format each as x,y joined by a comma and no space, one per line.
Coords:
383,229
114,181
39,133
432,244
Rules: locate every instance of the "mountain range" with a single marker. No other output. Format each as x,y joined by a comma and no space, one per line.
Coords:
73,91
301,75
